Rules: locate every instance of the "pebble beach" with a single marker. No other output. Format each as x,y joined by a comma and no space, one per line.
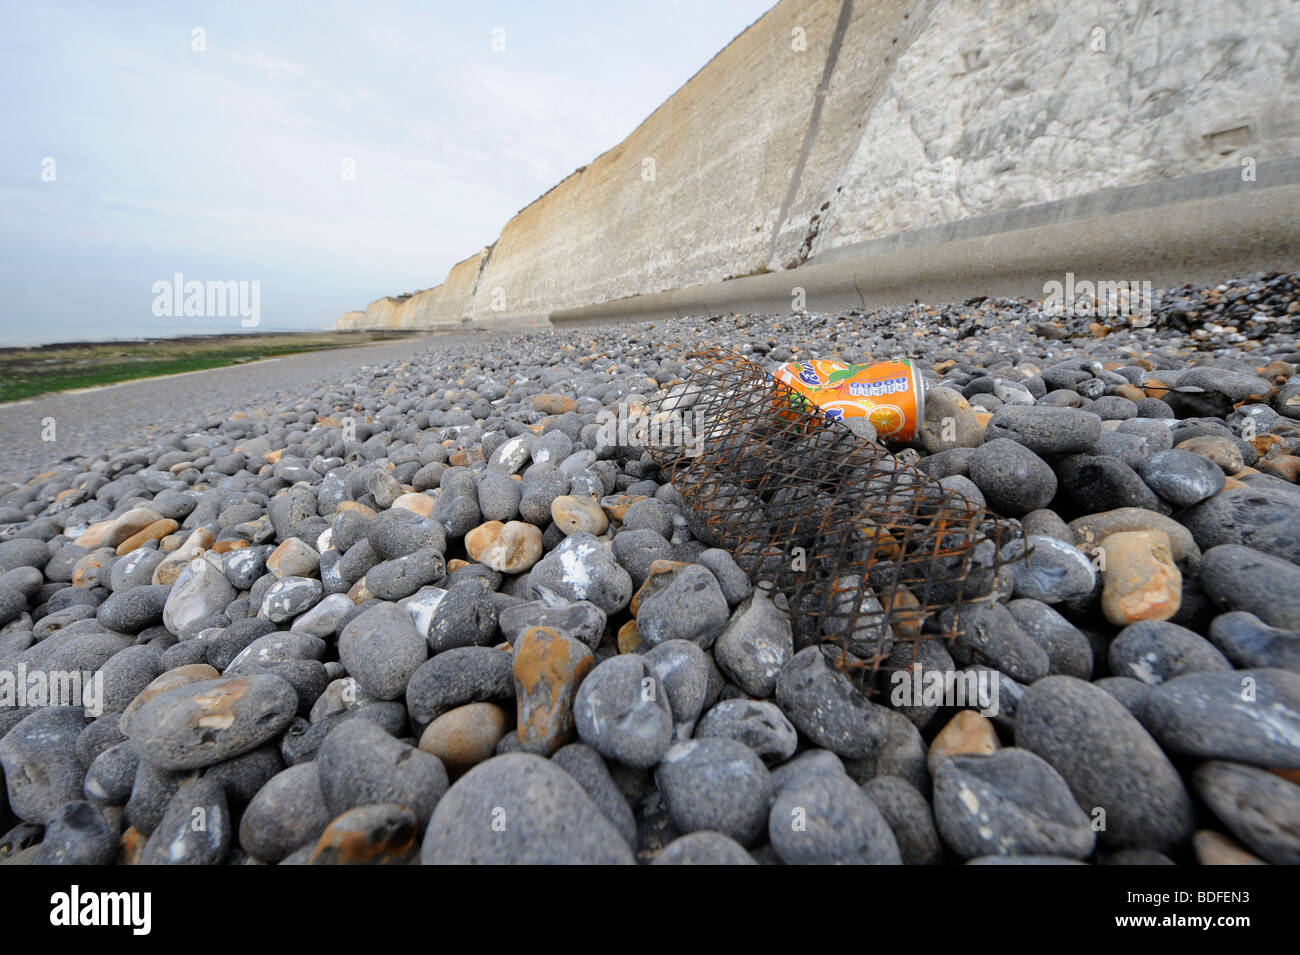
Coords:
423,609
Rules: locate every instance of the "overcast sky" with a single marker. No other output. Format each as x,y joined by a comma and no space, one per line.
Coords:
126,155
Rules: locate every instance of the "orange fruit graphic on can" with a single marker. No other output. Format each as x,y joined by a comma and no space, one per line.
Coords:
889,394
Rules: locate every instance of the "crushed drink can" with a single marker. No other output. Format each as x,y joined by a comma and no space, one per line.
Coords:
889,394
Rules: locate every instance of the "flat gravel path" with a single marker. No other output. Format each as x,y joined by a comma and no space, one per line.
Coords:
131,414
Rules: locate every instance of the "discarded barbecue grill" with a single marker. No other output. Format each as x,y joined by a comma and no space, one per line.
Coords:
868,550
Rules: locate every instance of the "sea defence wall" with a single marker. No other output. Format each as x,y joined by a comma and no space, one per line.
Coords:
878,151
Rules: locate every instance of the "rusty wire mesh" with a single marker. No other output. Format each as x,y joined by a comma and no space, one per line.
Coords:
869,551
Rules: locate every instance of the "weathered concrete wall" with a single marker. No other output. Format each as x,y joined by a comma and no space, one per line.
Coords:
832,123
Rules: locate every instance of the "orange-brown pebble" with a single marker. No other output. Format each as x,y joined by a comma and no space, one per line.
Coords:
548,667
574,515
1277,371
194,546
510,548
155,531
131,846
464,457
1215,849
1263,443
465,736
294,558
1218,449
1285,466
629,638
377,834
118,529
85,571
886,544
616,505
421,504
966,734
359,593
554,404
660,576
905,613
94,535
1141,581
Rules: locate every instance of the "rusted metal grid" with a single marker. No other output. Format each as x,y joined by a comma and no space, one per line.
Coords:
868,550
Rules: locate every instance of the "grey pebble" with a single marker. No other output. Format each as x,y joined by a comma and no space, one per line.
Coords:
202,723
1068,650
1249,716
456,677
828,709
716,784
1052,572
909,818
521,809
287,813
622,711
1240,578
1249,642
196,828
1008,803
755,644
703,848
758,724
77,834
588,767
1013,479
691,607
38,755
1108,760
827,819
381,650
1155,651
1260,808
1181,477
360,765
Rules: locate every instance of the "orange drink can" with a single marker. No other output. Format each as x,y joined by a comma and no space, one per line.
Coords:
889,394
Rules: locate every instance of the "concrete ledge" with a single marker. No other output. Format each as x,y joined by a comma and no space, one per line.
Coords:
1209,185
1194,229
634,308
515,323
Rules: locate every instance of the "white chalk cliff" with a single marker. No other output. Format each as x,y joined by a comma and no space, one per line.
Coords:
832,122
